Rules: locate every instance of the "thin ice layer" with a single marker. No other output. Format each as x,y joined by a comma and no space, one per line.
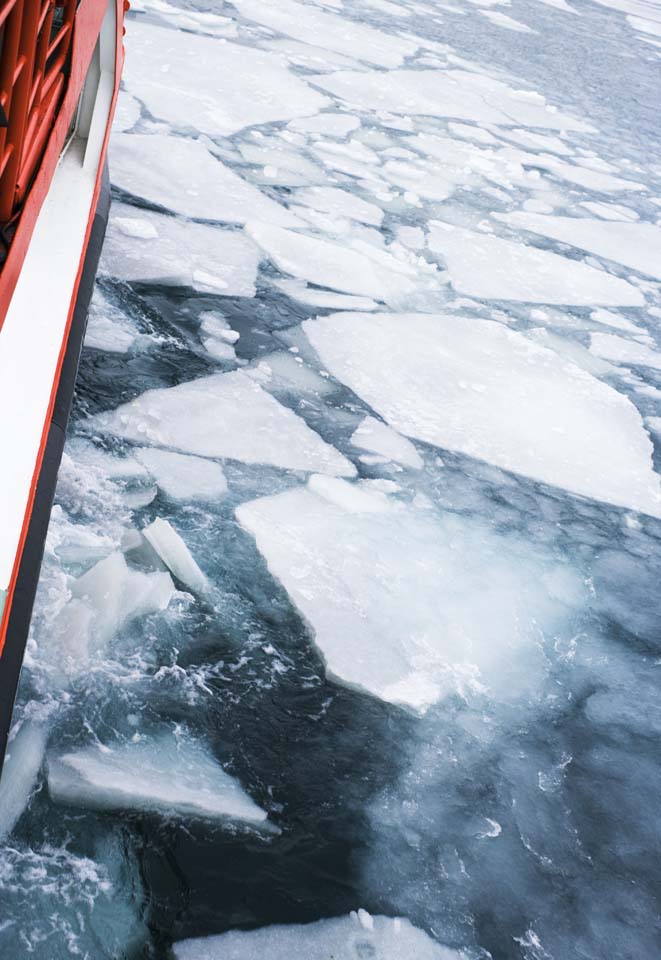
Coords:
150,165
477,387
356,937
446,93
635,245
155,248
235,86
328,31
481,265
166,772
379,438
183,477
407,632
223,415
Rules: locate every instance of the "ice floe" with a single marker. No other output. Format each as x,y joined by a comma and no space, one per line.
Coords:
223,415
627,352
236,86
446,93
176,556
489,392
359,268
181,476
405,632
348,37
379,438
108,328
152,247
635,245
482,265
356,937
169,772
340,203
149,166
22,764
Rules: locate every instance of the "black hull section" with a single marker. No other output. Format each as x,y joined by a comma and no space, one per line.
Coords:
28,576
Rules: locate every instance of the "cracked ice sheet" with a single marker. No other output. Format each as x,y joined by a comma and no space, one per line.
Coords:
407,633
235,86
504,399
225,415
492,268
635,245
327,30
147,246
358,935
150,165
447,93
358,268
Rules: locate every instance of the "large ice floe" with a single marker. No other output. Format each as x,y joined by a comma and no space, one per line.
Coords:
155,248
170,772
226,415
407,632
355,937
489,392
158,69
150,165
494,268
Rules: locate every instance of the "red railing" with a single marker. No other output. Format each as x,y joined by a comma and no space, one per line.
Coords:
35,40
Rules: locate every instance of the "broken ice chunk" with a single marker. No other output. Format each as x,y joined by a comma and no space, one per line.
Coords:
175,555
168,772
224,415
183,477
489,392
378,437
150,165
408,633
342,938
25,753
481,265
236,86
156,248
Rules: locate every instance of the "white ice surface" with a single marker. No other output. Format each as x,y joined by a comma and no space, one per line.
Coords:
356,937
446,93
172,773
299,290
622,351
407,633
340,203
379,438
223,415
479,388
150,166
183,477
359,269
349,37
482,265
25,753
635,245
176,556
235,86
147,246
108,328
509,23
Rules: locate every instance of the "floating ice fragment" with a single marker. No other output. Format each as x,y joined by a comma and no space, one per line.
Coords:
378,437
108,328
367,271
619,350
329,124
477,387
509,23
176,556
235,85
160,249
166,772
481,265
341,938
299,290
409,632
446,93
25,754
223,415
149,166
340,203
326,30
636,245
